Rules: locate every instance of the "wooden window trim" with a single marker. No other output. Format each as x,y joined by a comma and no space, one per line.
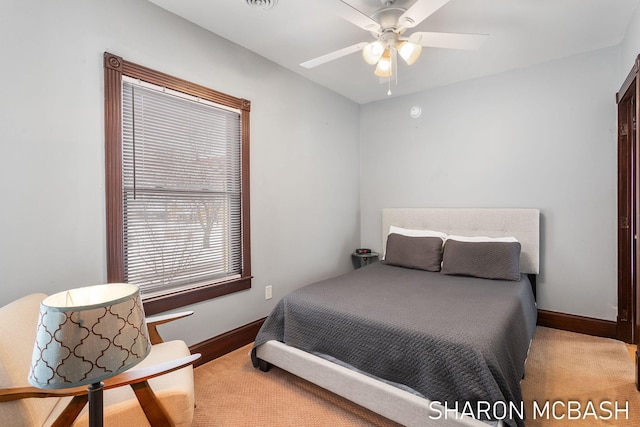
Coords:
114,68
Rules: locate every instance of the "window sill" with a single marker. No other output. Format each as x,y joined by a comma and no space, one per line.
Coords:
167,302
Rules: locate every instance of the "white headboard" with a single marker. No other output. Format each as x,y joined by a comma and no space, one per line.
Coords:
523,224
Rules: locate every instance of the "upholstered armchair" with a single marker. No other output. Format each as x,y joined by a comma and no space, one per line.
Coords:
156,392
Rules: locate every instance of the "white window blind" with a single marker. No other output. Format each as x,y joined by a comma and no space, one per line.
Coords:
181,190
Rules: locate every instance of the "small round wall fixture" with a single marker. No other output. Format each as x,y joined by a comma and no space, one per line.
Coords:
415,112
262,4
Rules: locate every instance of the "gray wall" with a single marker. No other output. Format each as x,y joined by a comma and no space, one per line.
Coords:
304,153
541,137
630,46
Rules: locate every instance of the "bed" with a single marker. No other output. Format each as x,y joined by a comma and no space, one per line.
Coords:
417,346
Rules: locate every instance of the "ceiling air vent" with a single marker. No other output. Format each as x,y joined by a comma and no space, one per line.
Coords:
262,4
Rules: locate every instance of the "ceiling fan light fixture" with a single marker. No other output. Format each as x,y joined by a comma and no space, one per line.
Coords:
410,52
383,69
372,52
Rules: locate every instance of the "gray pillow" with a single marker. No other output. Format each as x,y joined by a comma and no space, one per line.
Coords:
487,260
423,253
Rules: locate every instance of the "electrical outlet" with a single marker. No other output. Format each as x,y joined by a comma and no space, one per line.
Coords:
268,292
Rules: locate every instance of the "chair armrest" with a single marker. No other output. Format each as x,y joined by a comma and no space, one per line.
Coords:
154,321
17,393
132,376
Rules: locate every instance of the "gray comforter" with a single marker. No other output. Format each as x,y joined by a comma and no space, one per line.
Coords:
450,338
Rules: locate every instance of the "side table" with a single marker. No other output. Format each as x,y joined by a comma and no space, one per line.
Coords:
360,260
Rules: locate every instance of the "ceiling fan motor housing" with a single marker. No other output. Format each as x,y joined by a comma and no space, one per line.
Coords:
388,17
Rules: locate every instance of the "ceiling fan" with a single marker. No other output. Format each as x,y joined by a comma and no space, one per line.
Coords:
388,26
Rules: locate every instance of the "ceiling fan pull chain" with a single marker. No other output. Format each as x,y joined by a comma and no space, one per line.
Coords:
393,59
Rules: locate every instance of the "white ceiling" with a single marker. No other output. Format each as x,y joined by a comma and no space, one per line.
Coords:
522,33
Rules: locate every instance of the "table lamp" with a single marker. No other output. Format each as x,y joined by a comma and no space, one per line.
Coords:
87,335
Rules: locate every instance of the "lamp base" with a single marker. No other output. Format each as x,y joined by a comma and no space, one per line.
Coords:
95,404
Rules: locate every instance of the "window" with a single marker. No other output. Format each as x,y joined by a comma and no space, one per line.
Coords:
177,187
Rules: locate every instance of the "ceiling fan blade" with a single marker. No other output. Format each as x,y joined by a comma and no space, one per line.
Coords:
420,11
449,40
353,15
334,55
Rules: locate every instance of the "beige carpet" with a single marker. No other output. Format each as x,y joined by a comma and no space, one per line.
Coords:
562,367
230,392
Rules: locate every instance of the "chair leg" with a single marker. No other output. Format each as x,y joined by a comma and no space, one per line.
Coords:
151,406
71,412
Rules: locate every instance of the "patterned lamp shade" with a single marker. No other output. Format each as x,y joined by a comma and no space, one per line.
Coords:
88,334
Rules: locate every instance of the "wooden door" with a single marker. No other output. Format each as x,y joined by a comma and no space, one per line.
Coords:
628,221
629,212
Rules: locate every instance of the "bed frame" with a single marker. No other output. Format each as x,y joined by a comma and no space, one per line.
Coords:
384,399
